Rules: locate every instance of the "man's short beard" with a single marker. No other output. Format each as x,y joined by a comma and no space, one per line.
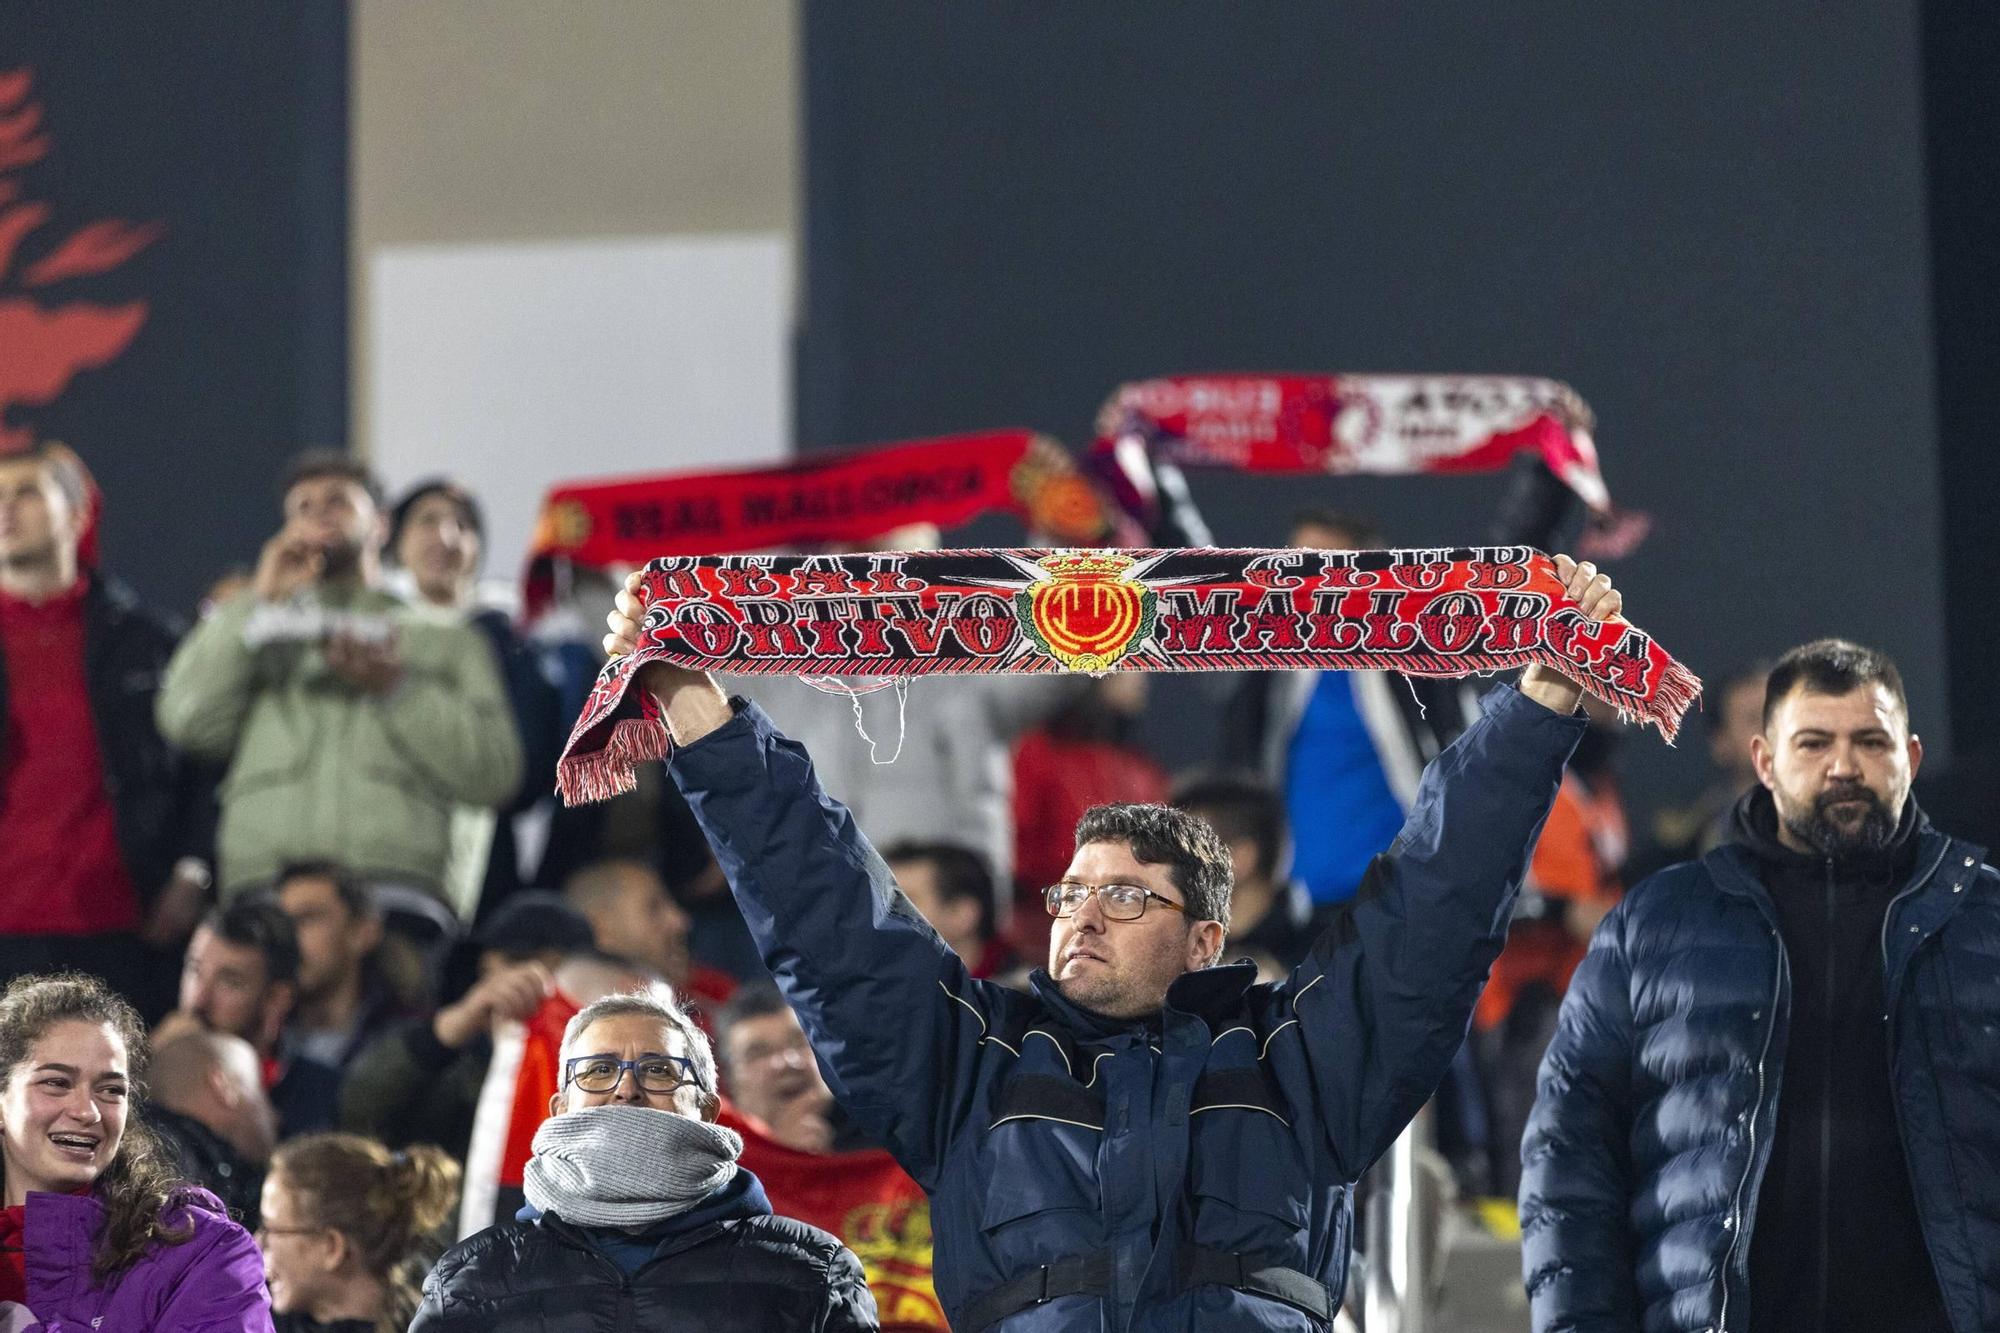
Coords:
1817,829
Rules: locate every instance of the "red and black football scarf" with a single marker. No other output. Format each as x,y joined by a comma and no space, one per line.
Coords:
892,615
1391,424
846,497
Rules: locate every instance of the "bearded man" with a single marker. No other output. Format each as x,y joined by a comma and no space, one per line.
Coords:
1773,1098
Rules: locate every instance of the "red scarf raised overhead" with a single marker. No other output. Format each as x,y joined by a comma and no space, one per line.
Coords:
1424,612
1393,424
851,496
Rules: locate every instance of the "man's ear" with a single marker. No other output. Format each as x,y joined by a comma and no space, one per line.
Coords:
1205,944
338,1252
278,1002
1763,759
709,1105
224,1088
555,1103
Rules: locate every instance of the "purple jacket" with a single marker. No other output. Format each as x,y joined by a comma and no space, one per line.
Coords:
213,1283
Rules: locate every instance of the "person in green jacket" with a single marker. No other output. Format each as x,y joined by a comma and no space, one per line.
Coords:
350,728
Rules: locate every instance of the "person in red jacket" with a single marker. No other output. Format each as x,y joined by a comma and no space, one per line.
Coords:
104,830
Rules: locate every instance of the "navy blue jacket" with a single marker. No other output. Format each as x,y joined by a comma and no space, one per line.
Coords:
1658,1097
1235,1121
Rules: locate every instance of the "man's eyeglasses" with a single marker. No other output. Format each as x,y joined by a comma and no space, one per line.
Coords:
655,1073
1118,902
264,1231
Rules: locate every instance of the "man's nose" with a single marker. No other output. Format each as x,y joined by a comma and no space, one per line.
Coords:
627,1088
1088,917
1846,762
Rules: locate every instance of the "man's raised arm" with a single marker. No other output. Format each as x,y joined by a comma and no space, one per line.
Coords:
1384,998
893,1015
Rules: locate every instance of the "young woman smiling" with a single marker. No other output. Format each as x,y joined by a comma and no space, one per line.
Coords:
95,1231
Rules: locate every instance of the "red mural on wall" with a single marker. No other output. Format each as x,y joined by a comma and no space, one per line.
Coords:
45,340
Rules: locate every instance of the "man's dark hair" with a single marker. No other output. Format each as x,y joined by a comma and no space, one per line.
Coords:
259,923
961,874
1238,806
753,999
1365,531
1831,666
463,500
355,896
316,463
1195,857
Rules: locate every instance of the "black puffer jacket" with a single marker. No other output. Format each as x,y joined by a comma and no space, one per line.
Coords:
718,1269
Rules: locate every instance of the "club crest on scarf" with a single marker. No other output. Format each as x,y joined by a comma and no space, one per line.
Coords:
1087,613
897,615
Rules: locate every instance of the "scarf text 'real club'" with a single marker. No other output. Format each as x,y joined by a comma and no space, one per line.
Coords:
894,614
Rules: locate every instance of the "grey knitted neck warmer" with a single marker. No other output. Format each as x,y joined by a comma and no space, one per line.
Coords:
627,1166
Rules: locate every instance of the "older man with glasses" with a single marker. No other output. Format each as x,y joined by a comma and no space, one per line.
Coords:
638,1215
1148,1140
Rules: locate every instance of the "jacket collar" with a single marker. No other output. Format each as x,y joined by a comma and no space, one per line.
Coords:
1942,863
1754,824
1209,993
741,1198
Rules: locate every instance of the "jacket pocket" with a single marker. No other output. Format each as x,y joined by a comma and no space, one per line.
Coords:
1249,1173
1040,1191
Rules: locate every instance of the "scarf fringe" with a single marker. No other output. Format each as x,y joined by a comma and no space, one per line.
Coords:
1671,698
599,775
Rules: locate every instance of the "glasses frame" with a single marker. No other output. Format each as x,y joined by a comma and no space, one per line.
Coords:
290,1231
1098,891
689,1074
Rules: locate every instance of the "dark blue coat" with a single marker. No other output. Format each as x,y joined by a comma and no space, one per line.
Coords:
1234,1122
1659,1095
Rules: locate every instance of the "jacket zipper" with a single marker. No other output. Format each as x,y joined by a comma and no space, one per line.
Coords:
1756,1110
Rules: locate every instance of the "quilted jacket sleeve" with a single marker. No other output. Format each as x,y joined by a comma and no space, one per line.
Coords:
1383,1000
1576,1165
894,1017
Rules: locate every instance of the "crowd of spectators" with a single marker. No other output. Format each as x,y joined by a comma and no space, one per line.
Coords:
309,854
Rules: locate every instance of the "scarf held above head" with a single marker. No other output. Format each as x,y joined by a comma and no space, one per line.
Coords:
627,1166
1431,612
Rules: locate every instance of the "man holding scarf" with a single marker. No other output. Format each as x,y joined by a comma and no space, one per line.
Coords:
1148,1140
638,1216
